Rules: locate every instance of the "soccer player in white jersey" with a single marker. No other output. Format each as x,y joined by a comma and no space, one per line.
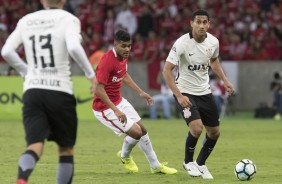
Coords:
49,36
116,113
194,53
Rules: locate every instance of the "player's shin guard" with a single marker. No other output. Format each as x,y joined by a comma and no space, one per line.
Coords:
65,170
26,164
206,150
190,145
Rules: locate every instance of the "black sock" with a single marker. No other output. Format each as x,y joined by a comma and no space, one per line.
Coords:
65,170
190,145
206,150
26,164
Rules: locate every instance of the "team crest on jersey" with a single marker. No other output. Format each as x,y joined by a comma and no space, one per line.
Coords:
209,52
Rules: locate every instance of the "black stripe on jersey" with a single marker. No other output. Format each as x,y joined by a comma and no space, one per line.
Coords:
191,35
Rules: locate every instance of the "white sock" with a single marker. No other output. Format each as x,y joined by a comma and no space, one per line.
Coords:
146,146
127,146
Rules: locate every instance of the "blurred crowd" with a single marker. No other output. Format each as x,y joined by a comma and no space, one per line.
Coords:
246,29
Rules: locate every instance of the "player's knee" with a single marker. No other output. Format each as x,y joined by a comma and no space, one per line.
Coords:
37,148
214,134
135,132
196,129
143,129
65,150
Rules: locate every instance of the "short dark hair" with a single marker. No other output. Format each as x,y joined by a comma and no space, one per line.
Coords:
200,12
122,35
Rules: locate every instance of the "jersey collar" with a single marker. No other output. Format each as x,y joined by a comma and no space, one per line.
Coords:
191,35
114,51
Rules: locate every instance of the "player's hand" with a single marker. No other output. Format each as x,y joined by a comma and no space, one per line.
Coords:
121,116
229,88
148,97
184,101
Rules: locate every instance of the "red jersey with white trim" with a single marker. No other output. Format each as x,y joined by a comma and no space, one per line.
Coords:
110,72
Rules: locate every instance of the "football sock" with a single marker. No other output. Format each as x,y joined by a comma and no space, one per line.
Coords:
208,145
26,164
146,146
190,145
127,146
65,170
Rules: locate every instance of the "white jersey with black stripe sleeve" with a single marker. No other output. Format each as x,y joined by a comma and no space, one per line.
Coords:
49,37
193,61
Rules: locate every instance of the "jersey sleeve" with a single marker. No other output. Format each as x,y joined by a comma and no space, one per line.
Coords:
73,28
103,70
216,52
75,49
10,54
174,53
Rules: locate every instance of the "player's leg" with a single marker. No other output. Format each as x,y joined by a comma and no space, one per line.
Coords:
208,144
132,137
36,128
130,128
210,118
66,165
62,119
195,130
193,121
145,145
28,160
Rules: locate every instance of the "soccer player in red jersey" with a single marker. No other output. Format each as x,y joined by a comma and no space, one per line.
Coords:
115,112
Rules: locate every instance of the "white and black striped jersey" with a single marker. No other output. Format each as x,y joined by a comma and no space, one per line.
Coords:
49,37
193,61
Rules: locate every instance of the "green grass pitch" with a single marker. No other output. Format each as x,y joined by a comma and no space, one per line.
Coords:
96,148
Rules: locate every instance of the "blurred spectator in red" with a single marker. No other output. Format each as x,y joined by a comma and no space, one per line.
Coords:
95,19
152,45
82,16
145,22
270,43
93,43
165,21
237,47
109,26
136,7
3,19
256,52
137,48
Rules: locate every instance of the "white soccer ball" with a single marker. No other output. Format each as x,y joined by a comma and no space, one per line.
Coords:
245,170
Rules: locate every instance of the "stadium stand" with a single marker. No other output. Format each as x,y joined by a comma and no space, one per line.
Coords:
247,29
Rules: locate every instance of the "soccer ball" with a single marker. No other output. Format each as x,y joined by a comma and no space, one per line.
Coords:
245,170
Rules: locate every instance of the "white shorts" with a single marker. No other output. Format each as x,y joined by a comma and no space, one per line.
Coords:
109,119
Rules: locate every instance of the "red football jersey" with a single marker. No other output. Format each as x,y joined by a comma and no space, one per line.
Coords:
110,72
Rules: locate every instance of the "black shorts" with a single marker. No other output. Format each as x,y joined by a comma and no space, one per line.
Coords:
49,115
203,107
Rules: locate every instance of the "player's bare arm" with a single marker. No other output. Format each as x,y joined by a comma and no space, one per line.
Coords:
93,82
130,82
217,69
169,78
100,91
